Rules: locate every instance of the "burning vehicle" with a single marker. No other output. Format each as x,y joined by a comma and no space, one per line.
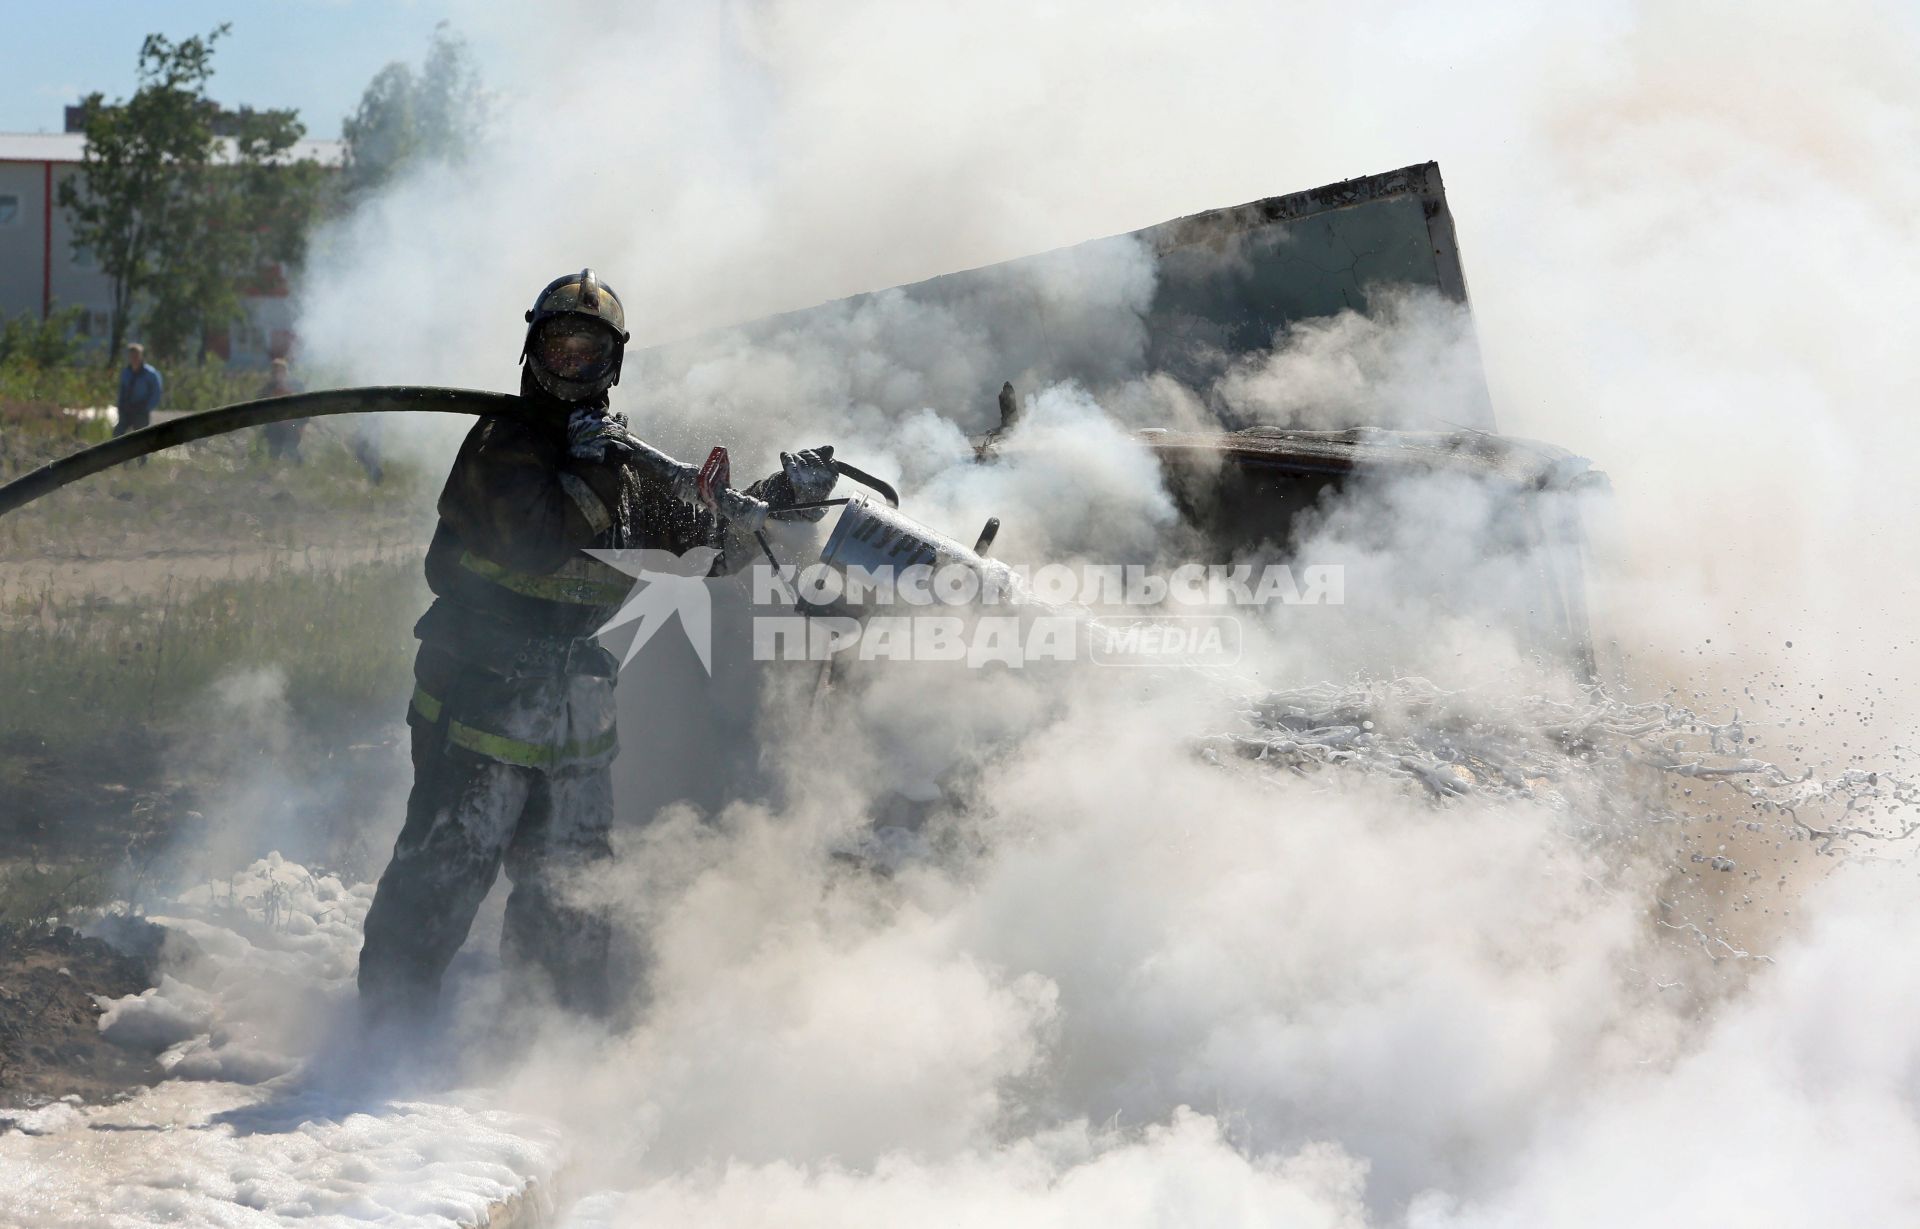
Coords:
1194,303
1202,301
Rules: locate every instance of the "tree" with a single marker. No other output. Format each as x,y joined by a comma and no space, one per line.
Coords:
406,117
251,213
133,193
51,342
181,219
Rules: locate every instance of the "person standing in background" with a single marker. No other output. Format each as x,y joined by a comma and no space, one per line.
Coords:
283,438
140,391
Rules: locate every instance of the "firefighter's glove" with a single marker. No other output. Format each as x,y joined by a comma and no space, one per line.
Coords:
591,432
810,478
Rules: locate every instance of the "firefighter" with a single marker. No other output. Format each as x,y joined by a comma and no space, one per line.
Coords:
512,717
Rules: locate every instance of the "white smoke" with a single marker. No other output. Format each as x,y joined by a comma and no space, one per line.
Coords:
1406,364
1128,986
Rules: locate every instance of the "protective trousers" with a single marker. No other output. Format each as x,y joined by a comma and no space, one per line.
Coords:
467,815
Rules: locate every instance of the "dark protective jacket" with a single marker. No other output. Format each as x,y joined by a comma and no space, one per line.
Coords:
507,666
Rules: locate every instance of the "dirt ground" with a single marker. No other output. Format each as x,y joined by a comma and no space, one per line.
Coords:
74,828
207,501
79,830
51,984
97,798
124,577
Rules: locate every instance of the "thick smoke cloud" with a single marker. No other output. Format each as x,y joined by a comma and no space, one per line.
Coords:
1125,985
1407,363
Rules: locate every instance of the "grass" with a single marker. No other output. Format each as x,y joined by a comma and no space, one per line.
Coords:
211,494
126,600
189,386
30,894
220,492
114,722
78,667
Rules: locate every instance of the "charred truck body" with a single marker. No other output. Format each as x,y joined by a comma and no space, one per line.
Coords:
1200,302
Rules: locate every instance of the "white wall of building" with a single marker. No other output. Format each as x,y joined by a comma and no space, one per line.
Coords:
38,262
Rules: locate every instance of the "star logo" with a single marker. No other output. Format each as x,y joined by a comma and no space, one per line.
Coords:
667,585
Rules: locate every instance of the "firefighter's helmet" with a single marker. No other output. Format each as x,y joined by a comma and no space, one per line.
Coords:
576,337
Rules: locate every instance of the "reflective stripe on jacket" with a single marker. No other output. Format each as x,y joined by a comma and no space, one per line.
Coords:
579,582
507,666
518,514
584,752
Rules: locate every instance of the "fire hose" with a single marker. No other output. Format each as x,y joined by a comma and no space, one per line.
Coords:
867,536
686,481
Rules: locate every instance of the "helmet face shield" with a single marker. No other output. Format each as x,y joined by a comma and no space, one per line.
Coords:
577,349
576,334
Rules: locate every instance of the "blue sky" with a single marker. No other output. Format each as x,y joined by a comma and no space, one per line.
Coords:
316,55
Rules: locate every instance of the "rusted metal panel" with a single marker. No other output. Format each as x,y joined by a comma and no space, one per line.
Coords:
1230,280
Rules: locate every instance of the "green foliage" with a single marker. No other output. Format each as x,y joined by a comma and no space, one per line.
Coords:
177,220
273,198
31,894
406,117
131,202
27,388
52,342
251,213
208,384
48,388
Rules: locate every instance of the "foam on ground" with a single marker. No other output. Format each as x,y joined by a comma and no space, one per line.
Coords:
231,1155
244,1134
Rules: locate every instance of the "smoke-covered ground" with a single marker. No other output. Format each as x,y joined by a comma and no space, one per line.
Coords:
1386,927
1354,954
